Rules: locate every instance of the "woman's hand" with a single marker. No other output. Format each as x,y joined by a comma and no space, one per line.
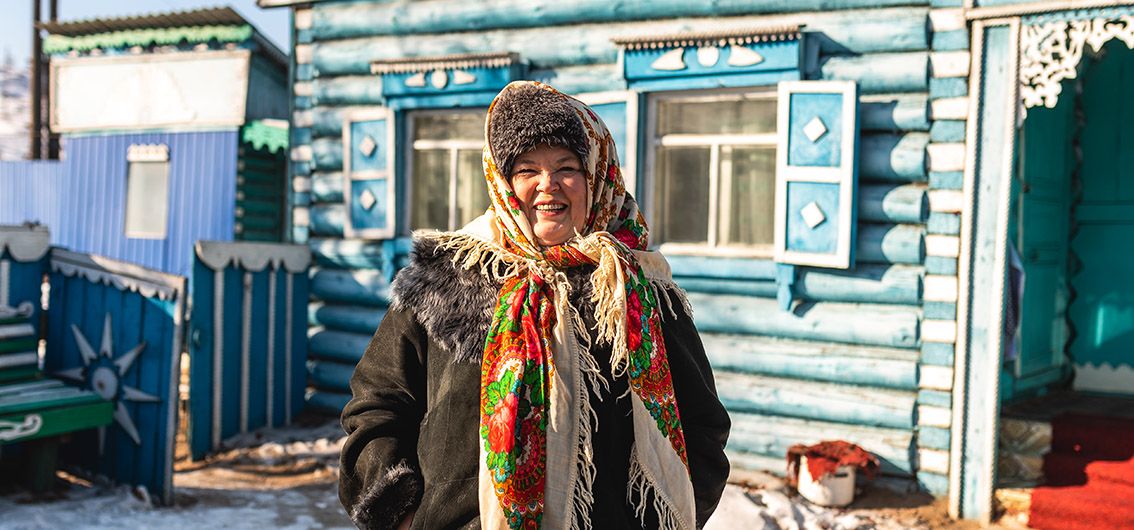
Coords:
407,521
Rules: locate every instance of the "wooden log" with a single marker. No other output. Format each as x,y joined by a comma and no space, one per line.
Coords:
810,400
893,158
329,375
327,401
581,79
771,436
327,154
327,220
337,51
373,19
891,203
347,90
891,244
365,287
338,346
867,325
348,253
345,317
817,361
894,112
867,283
880,73
327,187
724,268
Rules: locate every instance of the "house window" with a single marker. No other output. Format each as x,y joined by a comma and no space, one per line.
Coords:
447,188
714,159
147,191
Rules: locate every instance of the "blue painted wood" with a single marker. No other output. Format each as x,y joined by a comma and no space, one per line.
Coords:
441,101
948,87
891,244
377,159
614,116
940,310
257,414
894,113
349,253
329,375
347,90
881,73
893,158
778,56
944,223
358,319
706,82
893,203
330,402
24,272
365,287
724,268
816,401
825,150
339,346
932,482
815,361
769,436
937,354
327,219
338,21
822,238
946,180
327,187
868,325
485,80
955,40
85,292
581,79
868,283
935,398
947,131
941,265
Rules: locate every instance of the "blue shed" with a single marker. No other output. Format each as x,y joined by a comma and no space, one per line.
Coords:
172,132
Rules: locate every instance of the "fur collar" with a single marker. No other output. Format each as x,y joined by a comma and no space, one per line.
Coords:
455,304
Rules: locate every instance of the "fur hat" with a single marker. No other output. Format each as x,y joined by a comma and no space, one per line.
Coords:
526,115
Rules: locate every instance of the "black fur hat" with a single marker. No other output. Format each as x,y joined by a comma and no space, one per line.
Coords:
527,115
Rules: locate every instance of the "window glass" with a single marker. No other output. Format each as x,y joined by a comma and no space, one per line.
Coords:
430,201
449,126
472,191
735,116
147,199
752,172
682,194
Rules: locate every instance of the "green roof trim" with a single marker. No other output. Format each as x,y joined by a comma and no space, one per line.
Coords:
148,36
265,134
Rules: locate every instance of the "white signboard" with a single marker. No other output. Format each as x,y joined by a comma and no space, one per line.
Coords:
198,89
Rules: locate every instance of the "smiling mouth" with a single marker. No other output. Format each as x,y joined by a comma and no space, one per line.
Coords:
551,208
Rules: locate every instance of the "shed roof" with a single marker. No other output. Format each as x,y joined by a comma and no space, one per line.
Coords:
172,19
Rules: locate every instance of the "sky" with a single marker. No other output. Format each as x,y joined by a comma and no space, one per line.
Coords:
15,24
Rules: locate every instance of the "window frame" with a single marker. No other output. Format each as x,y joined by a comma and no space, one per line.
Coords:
452,146
147,154
390,174
714,142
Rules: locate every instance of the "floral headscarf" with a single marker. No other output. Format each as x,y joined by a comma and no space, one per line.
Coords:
537,370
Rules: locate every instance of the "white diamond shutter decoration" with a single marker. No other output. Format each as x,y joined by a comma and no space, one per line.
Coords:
816,173
368,174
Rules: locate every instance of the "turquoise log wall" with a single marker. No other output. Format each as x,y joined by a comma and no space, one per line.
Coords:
847,362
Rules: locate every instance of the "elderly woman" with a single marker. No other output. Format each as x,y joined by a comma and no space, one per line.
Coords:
537,368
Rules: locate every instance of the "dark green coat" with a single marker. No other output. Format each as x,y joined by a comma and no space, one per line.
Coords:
413,421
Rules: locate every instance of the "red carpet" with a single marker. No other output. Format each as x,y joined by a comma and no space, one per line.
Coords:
1089,476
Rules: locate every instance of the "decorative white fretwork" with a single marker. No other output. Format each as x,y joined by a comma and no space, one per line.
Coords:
813,215
815,129
1050,52
11,430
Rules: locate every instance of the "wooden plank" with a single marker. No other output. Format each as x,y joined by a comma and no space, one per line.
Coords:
935,378
933,461
868,325
893,158
382,18
893,203
55,421
879,243
945,64
346,90
28,386
344,317
940,288
327,187
946,157
949,108
366,287
817,361
947,201
934,416
866,283
943,246
328,401
338,346
721,267
327,219
810,400
944,331
894,112
770,436
348,253
947,19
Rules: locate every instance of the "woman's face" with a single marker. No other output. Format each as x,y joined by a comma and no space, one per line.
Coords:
552,187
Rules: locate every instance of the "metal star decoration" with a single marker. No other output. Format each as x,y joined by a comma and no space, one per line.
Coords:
102,373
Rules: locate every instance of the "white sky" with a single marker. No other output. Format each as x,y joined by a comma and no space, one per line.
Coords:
15,24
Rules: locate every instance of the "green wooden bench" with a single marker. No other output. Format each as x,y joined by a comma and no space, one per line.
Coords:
35,410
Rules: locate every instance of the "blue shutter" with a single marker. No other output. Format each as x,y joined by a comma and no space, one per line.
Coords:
619,111
816,173
368,177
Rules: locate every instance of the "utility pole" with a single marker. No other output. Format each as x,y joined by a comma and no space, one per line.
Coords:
52,137
36,151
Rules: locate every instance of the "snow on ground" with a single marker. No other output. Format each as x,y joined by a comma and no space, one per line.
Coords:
285,478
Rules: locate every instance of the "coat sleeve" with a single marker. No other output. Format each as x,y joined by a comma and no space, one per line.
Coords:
704,419
379,481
